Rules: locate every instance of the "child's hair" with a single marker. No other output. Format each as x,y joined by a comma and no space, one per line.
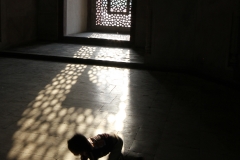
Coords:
79,143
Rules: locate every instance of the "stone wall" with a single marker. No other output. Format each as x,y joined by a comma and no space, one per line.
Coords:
76,18
173,33
193,35
18,22
47,20
140,32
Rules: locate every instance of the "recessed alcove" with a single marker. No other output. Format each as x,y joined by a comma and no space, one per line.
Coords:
98,19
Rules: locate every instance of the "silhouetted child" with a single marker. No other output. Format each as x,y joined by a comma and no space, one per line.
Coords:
97,146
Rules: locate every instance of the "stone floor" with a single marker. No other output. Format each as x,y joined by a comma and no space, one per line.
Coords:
98,35
78,51
159,115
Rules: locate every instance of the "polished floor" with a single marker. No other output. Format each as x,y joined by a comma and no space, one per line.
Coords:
99,35
78,51
159,115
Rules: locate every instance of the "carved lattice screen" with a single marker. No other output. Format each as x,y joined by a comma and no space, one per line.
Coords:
113,13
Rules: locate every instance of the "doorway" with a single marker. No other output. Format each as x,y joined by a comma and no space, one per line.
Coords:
99,19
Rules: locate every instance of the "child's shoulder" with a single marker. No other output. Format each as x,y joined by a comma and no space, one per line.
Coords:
100,136
108,137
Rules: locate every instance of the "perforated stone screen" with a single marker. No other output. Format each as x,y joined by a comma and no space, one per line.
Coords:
118,6
113,13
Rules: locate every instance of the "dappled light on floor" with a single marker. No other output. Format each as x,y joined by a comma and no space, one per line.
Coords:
113,54
105,75
103,53
75,51
47,124
85,52
119,37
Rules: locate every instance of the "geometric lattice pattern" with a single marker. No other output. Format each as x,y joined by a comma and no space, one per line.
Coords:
118,17
118,6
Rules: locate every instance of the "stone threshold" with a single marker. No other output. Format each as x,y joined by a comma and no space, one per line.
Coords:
65,59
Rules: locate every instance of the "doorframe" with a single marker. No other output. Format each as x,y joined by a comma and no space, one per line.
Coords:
62,17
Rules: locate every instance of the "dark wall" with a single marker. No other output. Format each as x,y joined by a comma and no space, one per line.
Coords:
173,33
48,19
140,31
193,35
18,22
214,34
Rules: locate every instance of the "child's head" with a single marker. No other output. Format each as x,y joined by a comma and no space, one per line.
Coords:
79,144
